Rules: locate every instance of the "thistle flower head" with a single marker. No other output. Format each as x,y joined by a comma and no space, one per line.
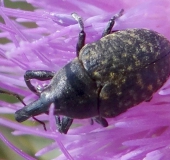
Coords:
44,38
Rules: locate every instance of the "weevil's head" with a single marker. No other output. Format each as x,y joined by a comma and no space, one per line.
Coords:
73,92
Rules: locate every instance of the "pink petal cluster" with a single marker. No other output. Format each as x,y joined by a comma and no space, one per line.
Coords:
141,133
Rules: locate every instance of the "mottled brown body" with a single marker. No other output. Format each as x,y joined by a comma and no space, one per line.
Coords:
128,66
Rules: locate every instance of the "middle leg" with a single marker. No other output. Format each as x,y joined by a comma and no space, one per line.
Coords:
100,120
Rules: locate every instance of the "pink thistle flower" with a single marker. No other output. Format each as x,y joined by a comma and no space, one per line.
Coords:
143,132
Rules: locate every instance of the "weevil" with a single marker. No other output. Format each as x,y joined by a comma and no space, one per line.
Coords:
119,71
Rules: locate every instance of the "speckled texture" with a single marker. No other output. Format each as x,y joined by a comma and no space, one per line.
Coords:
129,66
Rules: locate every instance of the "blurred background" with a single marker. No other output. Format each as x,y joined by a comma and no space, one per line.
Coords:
29,144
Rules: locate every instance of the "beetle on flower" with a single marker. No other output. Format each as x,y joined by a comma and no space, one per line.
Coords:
107,77
142,132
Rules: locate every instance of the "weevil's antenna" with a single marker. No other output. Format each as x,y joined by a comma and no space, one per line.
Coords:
42,123
14,95
19,98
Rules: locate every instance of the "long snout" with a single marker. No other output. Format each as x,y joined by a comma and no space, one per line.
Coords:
33,109
21,115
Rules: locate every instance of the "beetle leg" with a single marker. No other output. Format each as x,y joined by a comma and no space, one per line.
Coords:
39,75
100,120
111,23
82,34
64,124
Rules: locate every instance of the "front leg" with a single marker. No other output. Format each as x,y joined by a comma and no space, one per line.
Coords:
39,75
111,23
64,124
